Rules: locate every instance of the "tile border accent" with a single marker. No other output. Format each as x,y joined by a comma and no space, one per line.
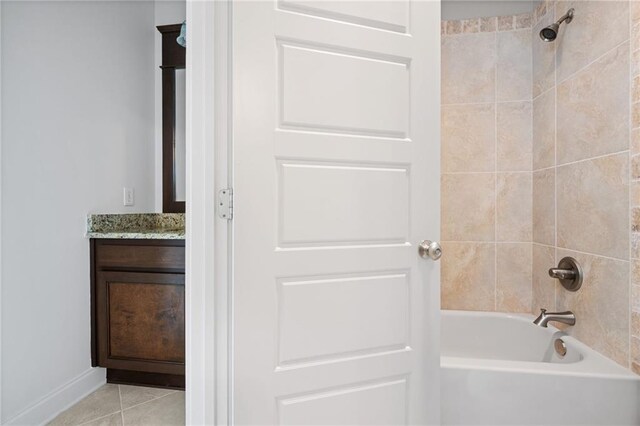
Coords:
492,24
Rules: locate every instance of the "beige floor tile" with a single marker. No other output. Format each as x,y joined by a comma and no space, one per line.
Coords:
167,410
111,420
135,395
100,403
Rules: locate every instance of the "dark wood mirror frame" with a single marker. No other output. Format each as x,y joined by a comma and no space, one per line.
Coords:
173,58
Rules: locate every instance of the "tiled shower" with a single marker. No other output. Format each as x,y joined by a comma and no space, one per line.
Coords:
541,160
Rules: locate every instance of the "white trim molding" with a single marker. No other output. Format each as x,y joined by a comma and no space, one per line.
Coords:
1,269
207,345
58,400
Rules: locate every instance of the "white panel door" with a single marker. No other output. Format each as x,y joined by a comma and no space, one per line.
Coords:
336,181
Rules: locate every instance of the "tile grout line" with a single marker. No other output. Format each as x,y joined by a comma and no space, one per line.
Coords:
533,98
572,75
630,267
151,400
553,11
97,418
121,407
454,104
584,160
615,259
495,175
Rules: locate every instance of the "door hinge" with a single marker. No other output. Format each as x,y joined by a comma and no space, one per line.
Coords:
225,203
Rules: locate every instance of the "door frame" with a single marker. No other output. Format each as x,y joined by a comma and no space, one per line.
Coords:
208,238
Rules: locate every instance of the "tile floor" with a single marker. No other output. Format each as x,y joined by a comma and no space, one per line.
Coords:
119,405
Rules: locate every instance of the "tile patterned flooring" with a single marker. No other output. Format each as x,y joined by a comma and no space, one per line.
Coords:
120,405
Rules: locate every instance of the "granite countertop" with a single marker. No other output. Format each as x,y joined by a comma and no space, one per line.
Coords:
138,226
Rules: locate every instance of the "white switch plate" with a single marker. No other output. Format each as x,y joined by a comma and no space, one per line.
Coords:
129,197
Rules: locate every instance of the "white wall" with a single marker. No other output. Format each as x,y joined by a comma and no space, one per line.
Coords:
166,12
77,126
463,9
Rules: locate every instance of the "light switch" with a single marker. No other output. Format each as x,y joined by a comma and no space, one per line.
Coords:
129,197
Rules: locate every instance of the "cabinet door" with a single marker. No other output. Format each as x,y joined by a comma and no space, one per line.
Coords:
140,321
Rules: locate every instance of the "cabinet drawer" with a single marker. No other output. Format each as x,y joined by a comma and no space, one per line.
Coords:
140,256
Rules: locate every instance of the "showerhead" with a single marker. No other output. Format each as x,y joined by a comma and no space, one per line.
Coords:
550,33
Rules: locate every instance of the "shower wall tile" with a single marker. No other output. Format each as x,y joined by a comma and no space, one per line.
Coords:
634,196
635,324
513,280
468,276
635,142
468,207
471,25
592,117
635,167
635,118
543,72
598,27
523,21
544,207
506,23
635,354
468,68
544,130
593,206
601,305
543,286
489,24
468,138
635,24
514,136
513,208
454,27
486,164
514,65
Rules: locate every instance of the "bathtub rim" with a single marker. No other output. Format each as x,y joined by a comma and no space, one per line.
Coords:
593,363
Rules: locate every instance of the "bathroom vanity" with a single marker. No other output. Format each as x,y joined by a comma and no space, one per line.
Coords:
137,298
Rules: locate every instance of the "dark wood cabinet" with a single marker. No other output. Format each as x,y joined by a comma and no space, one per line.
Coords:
138,307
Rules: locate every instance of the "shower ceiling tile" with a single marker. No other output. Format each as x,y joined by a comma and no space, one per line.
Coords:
593,206
468,68
468,207
597,27
593,109
601,305
468,276
468,138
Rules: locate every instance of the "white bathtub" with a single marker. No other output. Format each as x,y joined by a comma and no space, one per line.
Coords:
501,369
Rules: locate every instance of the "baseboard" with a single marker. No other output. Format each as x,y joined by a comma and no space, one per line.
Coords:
55,402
